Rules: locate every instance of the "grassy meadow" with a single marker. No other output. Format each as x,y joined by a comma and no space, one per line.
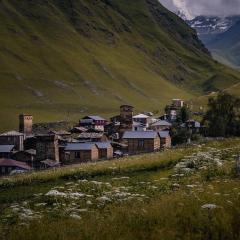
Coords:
184,193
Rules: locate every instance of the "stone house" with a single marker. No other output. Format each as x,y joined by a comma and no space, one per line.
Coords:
93,122
105,150
27,156
80,153
165,139
142,141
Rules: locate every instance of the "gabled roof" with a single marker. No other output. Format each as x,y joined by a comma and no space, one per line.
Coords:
6,148
140,135
103,145
79,146
12,163
164,134
96,118
141,116
12,133
162,123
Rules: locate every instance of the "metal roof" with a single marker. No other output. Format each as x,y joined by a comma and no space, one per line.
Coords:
141,116
162,123
164,134
12,133
103,145
96,118
12,163
79,146
6,148
140,135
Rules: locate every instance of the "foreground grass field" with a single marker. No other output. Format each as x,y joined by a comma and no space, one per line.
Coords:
185,193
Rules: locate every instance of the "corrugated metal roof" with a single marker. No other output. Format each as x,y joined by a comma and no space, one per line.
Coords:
162,123
140,135
12,163
12,133
79,146
6,148
164,134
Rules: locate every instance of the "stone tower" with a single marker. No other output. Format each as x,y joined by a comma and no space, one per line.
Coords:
126,118
25,124
47,147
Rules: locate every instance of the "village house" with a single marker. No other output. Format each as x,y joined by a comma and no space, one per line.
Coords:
7,166
165,139
178,103
142,141
80,153
93,122
13,138
105,150
173,110
6,151
27,156
161,125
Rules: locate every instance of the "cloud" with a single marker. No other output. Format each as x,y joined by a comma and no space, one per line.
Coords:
204,7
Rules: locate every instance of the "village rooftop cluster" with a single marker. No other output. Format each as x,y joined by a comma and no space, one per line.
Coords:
92,139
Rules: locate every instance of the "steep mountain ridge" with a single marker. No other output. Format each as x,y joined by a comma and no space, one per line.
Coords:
63,58
227,45
221,36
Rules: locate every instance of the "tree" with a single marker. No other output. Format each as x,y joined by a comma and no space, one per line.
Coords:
223,116
184,115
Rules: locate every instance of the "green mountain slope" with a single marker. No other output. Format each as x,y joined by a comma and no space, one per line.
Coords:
60,59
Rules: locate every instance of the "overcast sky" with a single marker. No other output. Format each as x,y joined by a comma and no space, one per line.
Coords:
193,8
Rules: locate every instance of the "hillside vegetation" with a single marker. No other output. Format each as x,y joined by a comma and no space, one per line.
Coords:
184,193
60,59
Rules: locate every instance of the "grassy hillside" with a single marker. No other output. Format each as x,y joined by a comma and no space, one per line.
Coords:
186,193
61,59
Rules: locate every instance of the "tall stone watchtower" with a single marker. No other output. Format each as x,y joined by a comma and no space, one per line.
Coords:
126,118
25,124
126,113
47,147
